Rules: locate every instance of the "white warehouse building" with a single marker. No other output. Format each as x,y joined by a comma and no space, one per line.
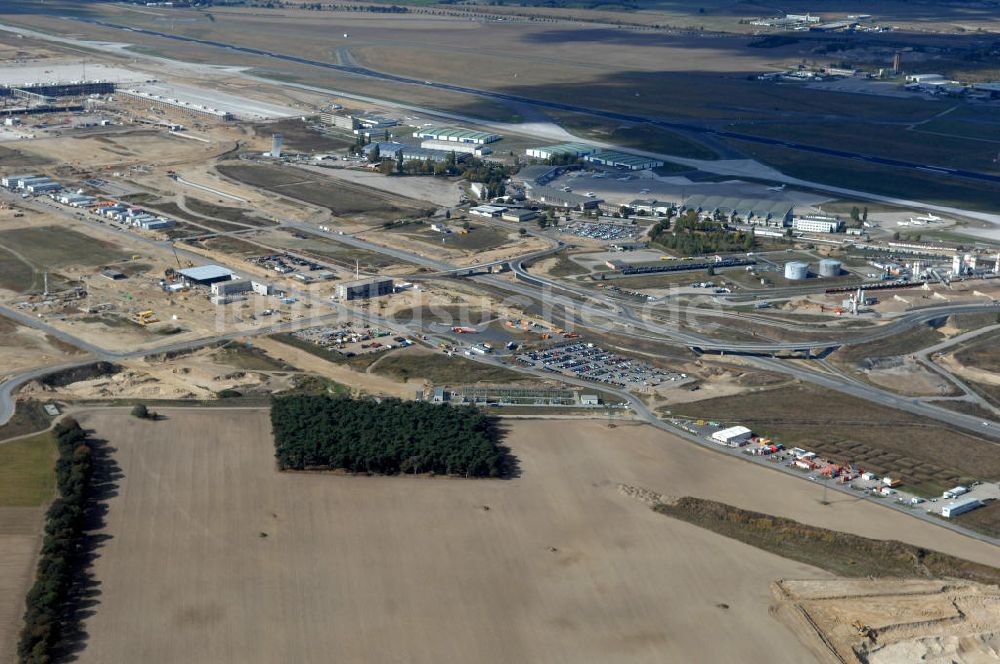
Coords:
816,224
960,507
456,135
733,436
475,149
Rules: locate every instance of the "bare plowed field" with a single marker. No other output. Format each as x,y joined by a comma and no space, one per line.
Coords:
214,556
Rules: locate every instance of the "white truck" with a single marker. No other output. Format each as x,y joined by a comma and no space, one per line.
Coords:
955,493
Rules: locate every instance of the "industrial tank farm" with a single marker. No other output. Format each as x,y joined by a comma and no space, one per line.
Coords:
796,270
829,267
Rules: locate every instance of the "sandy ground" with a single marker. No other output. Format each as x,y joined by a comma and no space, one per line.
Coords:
198,375
950,363
914,621
368,383
440,191
514,245
910,378
561,567
25,348
119,149
19,542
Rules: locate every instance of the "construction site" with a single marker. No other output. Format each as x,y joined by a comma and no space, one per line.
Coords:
199,236
891,621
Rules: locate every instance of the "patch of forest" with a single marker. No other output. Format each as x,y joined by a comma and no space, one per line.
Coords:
689,235
389,437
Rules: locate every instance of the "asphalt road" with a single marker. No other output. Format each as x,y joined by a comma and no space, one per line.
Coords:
583,308
529,285
854,388
558,106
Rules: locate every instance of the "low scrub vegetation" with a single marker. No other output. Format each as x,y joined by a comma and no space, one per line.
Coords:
314,432
841,553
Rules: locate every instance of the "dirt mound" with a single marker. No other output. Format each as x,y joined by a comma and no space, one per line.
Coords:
648,496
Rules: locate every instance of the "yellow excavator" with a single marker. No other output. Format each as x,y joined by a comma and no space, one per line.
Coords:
864,630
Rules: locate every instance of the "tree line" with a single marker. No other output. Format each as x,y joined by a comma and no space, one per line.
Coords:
390,437
64,521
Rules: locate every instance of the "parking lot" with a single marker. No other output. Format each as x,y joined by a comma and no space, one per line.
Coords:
590,362
350,338
284,263
602,231
831,477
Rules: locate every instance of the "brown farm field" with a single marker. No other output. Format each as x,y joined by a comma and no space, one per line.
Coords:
55,246
928,456
241,563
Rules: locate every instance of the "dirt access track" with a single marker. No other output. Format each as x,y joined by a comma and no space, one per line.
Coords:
214,556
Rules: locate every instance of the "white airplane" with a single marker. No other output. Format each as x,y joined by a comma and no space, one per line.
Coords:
928,218
917,222
779,187
903,223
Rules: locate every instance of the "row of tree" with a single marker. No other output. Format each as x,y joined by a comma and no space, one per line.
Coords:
377,9
386,437
64,523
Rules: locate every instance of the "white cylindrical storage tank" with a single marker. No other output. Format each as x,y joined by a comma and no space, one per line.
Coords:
829,267
795,270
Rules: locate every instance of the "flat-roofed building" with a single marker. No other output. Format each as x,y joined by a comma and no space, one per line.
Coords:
42,187
539,174
960,507
490,211
206,275
650,206
339,120
518,214
76,200
563,199
456,135
626,160
816,224
156,224
393,150
365,288
141,99
733,436
14,181
474,149
561,150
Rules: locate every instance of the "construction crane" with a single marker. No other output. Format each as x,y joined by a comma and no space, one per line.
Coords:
177,258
